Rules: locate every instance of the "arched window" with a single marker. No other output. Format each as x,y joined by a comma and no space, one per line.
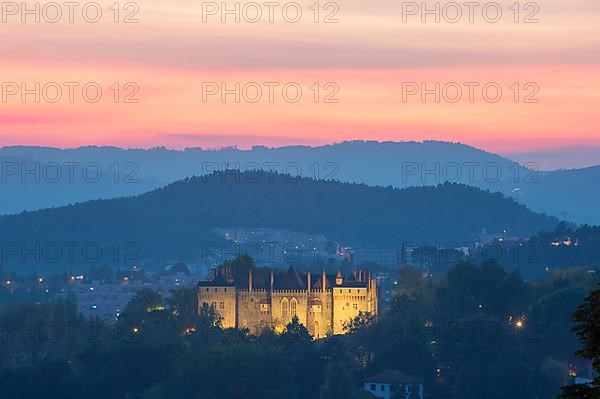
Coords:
293,306
284,309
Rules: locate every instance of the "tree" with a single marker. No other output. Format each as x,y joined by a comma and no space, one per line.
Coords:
338,382
183,304
296,332
146,318
144,301
303,354
579,391
587,328
208,318
411,282
240,265
414,394
52,379
124,368
360,322
234,371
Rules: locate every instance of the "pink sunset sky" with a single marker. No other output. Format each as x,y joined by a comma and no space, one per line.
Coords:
368,57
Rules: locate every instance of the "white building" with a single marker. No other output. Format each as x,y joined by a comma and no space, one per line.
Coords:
391,382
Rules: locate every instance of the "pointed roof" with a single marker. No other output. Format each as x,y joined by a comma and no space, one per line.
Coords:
289,281
261,280
317,285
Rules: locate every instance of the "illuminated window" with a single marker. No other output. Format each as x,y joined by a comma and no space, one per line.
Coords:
293,306
284,309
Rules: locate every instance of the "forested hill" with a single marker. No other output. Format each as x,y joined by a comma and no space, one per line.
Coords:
176,220
110,172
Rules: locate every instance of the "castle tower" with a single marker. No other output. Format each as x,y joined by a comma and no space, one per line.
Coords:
339,279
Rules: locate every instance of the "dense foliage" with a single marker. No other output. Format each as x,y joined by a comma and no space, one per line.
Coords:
569,193
127,229
534,257
475,332
587,318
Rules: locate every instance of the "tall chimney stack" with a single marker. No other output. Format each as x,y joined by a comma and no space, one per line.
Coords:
323,277
272,279
308,284
249,280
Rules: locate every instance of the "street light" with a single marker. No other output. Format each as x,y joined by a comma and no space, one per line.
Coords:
519,324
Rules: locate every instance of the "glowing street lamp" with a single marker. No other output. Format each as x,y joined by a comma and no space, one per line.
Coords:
519,324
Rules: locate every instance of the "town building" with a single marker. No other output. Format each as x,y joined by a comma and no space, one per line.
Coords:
393,383
106,300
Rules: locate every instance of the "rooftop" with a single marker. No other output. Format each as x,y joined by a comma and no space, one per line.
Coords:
394,377
290,280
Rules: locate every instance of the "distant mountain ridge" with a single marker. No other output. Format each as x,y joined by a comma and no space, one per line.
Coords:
177,221
567,194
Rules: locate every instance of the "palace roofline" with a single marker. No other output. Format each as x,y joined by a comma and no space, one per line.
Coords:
267,279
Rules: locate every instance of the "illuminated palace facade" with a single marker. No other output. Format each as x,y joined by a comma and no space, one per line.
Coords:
265,299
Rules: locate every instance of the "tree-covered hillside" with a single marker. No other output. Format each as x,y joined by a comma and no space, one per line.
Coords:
177,220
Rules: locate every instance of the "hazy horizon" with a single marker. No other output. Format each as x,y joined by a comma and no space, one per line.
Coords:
533,73
565,157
